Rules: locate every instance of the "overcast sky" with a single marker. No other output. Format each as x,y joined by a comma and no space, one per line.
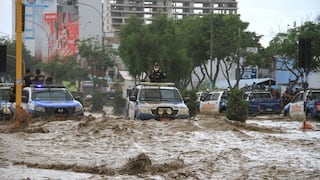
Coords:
266,17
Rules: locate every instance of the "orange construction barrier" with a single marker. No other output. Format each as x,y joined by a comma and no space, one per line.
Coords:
21,117
306,125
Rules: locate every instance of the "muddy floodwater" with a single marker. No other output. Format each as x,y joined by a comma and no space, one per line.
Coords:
99,146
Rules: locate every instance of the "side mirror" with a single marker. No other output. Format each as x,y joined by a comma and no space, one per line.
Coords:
186,99
133,98
25,99
78,98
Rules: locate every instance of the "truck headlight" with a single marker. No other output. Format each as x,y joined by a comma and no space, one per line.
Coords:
40,109
169,111
184,111
144,110
78,109
160,111
6,110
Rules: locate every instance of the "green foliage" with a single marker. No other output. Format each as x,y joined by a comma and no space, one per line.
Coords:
182,45
66,69
97,101
192,105
142,45
237,109
118,102
285,46
28,60
96,55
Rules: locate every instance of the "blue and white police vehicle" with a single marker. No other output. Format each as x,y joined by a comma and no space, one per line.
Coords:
157,101
50,100
5,105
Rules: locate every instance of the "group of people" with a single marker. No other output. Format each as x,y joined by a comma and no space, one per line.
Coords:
30,78
288,95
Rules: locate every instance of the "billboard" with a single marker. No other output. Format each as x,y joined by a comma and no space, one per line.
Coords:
51,28
248,73
64,30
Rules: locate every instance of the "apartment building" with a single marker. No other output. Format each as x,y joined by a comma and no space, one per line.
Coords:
117,12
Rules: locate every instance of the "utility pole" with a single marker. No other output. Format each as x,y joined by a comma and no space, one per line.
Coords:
18,52
211,51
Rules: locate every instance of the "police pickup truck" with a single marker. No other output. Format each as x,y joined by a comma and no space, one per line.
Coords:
5,104
213,102
160,101
262,102
295,109
50,100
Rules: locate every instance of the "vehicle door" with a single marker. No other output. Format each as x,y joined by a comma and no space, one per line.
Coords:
313,103
25,100
296,110
132,101
210,103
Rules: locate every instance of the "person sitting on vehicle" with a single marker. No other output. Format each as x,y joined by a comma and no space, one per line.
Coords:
285,99
28,78
39,78
12,93
51,78
156,74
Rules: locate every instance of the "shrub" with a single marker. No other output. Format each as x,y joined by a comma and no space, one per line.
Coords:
192,105
97,101
119,102
237,109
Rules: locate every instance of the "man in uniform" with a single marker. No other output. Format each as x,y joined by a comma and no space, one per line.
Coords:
51,78
28,78
39,78
156,74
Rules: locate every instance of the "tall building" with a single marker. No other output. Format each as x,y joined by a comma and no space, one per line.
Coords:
53,26
117,12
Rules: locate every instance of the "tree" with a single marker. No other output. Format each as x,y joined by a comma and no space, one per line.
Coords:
66,69
284,46
180,46
28,60
133,46
97,57
237,107
143,45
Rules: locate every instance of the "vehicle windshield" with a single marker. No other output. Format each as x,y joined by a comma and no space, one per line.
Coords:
159,95
215,96
260,96
51,94
257,96
315,95
4,94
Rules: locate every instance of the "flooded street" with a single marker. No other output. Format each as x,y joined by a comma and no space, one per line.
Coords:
111,147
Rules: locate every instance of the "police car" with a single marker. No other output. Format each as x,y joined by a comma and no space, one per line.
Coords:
156,101
213,102
298,108
50,100
5,105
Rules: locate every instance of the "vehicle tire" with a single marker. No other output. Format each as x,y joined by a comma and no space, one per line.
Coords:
285,113
308,115
135,117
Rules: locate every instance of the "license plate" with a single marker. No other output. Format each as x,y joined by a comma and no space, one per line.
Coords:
269,109
164,119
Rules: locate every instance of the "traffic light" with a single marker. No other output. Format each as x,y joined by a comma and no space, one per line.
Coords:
305,58
23,17
3,58
70,2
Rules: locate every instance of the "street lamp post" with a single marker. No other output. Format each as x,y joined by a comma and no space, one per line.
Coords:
102,19
46,32
85,29
102,28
